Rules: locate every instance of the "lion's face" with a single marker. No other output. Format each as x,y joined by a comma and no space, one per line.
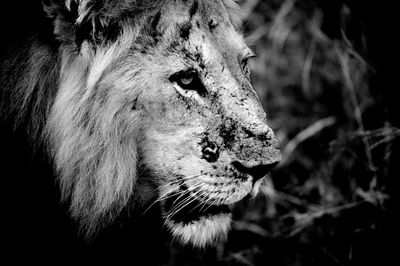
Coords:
174,95
205,136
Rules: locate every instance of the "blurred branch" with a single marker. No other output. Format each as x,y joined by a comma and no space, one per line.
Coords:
345,66
304,135
374,197
248,7
291,199
279,30
250,227
380,132
257,34
238,256
385,134
286,7
303,220
307,68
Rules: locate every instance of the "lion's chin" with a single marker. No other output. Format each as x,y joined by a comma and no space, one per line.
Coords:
201,232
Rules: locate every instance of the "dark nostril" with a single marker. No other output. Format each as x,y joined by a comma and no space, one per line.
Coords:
210,152
257,172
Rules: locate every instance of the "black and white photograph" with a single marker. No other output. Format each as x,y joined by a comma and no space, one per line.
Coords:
199,132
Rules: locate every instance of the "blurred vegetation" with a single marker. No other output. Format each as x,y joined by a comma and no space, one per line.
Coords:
327,203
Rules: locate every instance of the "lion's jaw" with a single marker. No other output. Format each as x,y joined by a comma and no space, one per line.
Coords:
198,221
203,231
197,207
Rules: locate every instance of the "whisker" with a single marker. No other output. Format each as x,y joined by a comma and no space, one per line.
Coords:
183,193
163,198
179,180
167,195
204,203
209,205
197,195
187,199
195,186
182,206
208,200
183,202
172,212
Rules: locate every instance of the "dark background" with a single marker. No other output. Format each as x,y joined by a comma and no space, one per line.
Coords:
326,73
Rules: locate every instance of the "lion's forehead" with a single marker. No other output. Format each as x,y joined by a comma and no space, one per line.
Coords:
198,29
176,11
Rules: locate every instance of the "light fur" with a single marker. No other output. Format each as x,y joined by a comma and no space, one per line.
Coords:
105,109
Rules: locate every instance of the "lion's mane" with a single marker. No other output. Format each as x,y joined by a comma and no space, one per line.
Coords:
61,99
60,94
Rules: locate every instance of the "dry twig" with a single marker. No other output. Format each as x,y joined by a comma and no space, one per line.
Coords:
305,134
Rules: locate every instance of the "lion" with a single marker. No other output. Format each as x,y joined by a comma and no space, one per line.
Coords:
143,103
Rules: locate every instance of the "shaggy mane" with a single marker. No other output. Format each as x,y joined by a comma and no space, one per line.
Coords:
28,86
51,93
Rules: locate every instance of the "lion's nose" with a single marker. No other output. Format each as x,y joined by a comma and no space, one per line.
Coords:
257,171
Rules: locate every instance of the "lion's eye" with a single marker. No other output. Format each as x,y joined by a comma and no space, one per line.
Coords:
186,81
189,80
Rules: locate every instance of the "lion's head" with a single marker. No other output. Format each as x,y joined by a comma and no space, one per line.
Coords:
154,103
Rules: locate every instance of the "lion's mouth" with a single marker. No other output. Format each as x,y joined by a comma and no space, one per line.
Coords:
187,209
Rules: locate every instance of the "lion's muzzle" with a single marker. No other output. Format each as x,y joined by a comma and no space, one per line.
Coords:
257,172
257,154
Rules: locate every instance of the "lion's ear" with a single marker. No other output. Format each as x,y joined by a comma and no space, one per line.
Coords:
75,21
